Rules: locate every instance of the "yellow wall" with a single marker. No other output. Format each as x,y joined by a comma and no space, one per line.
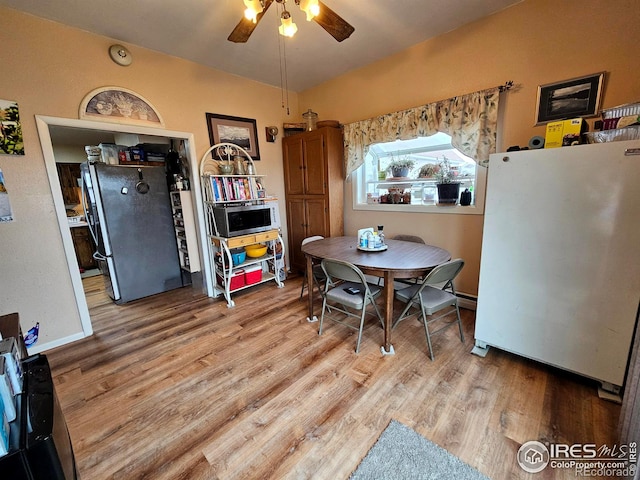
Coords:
48,69
532,43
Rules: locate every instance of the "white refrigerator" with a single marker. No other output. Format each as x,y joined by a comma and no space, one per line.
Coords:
560,265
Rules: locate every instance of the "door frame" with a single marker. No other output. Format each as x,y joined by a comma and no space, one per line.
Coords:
43,123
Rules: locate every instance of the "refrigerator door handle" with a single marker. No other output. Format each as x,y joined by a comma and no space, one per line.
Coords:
99,211
87,217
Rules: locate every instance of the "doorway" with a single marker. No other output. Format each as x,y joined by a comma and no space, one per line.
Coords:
51,131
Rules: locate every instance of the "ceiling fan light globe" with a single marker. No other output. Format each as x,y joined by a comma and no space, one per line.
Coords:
310,7
254,7
250,15
287,28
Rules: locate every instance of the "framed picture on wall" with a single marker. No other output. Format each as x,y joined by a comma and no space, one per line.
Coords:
237,130
576,97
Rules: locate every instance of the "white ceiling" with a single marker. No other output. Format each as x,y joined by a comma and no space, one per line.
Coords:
197,30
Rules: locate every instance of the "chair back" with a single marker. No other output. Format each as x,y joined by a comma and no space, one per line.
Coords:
339,270
409,238
444,273
311,239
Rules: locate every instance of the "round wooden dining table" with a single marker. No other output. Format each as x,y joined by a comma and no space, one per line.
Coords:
401,259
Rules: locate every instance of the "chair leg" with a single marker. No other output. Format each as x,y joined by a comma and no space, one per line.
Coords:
459,324
426,332
324,306
362,315
403,315
304,284
375,306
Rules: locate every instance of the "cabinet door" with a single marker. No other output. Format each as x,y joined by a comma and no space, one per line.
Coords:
297,231
68,173
83,245
315,164
316,217
306,218
293,165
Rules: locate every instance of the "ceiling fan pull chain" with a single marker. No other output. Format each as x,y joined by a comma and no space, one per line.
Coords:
284,84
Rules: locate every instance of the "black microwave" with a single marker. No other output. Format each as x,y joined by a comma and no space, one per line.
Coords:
231,221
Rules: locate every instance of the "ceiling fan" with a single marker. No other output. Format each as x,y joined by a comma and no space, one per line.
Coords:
335,25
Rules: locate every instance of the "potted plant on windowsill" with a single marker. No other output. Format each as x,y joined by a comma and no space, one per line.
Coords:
400,167
428,170
448,187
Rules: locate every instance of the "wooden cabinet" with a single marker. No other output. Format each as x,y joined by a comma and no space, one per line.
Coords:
69,173
84,246
314,187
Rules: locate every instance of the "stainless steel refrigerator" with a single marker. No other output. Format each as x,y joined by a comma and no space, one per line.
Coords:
560,265
129,214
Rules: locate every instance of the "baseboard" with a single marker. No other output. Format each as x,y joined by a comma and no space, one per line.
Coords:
469,302
39,348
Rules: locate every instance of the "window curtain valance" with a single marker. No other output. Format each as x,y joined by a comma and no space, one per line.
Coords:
470,119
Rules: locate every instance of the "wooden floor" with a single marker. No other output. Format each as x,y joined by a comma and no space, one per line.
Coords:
178,386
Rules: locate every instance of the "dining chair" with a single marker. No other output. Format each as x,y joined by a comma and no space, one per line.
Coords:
424,300
317,272
409,238
409,281
347,294
399,283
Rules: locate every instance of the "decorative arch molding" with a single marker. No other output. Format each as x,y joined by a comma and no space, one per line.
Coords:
119,105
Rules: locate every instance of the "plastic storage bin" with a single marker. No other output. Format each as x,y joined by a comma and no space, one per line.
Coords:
237,280
253,274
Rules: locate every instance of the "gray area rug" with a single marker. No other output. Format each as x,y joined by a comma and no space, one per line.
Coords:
402,454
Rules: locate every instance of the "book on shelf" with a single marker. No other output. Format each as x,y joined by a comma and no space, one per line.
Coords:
225,189
247,188
214,189
228,195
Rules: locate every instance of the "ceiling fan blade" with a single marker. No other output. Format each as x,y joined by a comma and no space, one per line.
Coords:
333,23
245,27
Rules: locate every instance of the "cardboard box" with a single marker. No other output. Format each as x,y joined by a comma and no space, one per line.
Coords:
621,116
565,133
253,274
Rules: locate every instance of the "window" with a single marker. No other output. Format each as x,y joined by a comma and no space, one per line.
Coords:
376,187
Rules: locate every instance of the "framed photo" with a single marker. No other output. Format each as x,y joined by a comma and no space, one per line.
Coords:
119,105
577,97
11,141
237,130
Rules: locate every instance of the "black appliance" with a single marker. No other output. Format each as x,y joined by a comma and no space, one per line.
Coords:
39,445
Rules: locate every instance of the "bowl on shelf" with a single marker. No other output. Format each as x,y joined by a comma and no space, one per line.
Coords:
256,250
226,168
238,256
